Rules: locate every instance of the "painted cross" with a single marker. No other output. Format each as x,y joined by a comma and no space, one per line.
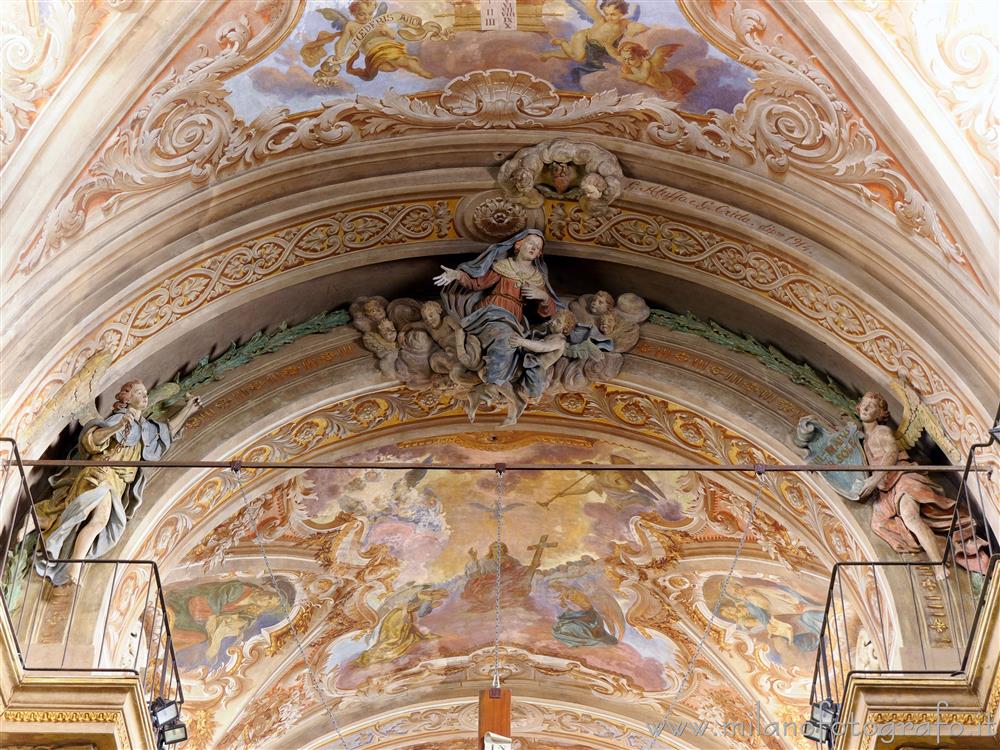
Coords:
539,550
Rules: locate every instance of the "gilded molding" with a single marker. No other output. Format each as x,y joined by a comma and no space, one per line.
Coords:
180,293
73,717
776,277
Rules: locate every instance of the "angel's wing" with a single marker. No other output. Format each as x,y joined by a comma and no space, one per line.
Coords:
583,9
663,53
636,13
74,400
382,9
917,418
334,16
578,351
402,311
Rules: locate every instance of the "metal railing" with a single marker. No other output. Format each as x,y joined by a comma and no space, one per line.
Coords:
112,621
908,619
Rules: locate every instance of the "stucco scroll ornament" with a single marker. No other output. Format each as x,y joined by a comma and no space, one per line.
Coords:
563,169
186,130
792,119
954,48
34,56
478,344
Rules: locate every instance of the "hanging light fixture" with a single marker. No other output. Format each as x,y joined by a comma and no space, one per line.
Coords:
819,728
494,702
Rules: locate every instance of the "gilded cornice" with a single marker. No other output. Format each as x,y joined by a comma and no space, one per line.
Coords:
59,716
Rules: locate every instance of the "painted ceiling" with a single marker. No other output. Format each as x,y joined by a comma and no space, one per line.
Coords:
813,182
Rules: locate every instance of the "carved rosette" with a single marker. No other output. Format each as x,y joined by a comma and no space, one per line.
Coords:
490,216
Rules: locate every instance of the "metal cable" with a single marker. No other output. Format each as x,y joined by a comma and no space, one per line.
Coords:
288,615
658,729
499,557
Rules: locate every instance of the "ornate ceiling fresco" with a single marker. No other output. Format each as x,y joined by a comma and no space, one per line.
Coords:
812,182
610,577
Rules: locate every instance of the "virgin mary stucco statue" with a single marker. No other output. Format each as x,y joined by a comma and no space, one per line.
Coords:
488,296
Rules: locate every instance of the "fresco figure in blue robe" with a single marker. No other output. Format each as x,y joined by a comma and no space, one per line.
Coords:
780,611
581,624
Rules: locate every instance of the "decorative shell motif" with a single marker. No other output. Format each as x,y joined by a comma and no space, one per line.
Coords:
499,98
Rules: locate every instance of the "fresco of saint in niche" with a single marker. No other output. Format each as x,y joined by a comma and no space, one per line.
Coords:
558,597
207,618
342,48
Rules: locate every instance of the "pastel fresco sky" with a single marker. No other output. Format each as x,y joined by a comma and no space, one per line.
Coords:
283,79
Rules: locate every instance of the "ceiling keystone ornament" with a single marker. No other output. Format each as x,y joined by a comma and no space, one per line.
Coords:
490,216
790,121
566,170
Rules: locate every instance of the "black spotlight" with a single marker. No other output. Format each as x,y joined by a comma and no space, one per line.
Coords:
819,728
173,733
166,720
164,711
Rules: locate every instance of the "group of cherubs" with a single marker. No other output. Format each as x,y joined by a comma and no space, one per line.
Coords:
419,344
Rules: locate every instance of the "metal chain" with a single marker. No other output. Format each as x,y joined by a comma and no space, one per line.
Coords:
658,730
499,557
284,606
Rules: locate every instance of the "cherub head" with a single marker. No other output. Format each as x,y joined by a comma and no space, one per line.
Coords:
529,247
431,312
612,10
386,330
593,185
632,52
601,303
563,175
374,310
362,10
563,322
607,324
523,179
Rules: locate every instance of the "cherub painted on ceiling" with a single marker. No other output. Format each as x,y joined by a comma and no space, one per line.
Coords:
369,33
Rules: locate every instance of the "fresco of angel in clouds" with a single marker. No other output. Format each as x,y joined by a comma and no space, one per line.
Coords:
374,33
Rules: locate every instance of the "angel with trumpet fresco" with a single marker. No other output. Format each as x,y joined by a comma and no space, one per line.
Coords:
374,33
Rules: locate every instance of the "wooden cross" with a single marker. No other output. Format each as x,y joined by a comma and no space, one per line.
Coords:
494,713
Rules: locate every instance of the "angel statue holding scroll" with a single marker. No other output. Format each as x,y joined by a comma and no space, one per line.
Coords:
910,511
86,514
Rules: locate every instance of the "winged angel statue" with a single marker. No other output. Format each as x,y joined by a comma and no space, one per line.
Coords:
373,32
86,513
